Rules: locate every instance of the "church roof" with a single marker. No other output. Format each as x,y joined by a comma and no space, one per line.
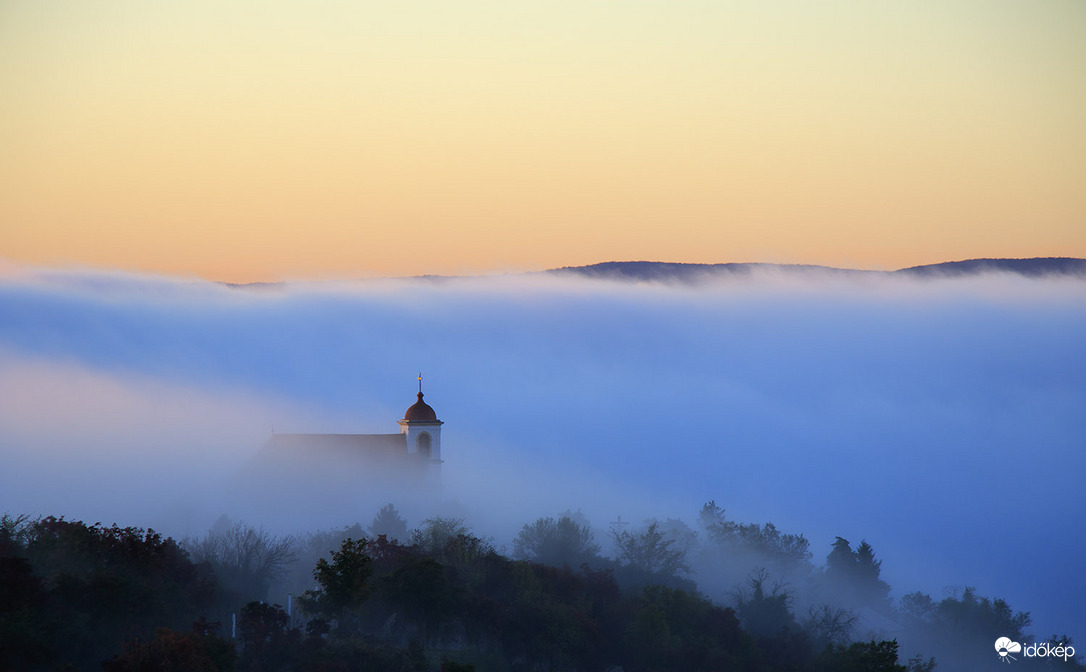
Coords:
339,462
362,445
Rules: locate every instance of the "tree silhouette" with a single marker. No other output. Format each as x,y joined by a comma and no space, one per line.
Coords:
389,523
344,582
260,627
854,575
785,550
959,630
649,551
872,591
841,562
828,624
764,608
555,542
246,559
436,532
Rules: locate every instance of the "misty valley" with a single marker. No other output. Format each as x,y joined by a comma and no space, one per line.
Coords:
900,455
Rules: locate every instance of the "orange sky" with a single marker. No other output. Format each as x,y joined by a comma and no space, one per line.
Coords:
262,140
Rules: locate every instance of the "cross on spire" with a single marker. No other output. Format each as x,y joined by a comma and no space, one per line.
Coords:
420,382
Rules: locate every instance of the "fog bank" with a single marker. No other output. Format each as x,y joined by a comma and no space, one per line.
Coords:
942,420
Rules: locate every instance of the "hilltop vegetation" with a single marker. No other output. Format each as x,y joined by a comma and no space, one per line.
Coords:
440,597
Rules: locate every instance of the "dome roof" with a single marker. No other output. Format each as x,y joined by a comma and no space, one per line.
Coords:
420,410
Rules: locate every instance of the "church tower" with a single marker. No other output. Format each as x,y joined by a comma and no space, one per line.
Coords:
423,431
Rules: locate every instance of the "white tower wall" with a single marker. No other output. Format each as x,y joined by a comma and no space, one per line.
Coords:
414,429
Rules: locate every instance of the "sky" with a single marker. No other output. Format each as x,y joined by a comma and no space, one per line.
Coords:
250,141
942,420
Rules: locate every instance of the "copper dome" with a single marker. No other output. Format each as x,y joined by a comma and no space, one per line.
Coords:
420,410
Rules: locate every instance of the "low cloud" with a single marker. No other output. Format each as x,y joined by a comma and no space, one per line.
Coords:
940,419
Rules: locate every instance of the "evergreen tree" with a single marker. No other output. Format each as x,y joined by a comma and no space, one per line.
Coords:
853,576
871,590
389,523
650,551
841,562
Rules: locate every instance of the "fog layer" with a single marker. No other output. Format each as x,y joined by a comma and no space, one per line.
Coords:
942,420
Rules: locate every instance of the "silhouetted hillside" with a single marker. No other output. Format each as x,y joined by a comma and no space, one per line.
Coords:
658,271
668,271
662,271
1033,268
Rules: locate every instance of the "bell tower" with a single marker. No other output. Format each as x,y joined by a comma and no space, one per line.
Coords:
423,431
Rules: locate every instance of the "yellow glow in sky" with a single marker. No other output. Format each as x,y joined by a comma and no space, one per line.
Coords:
261,140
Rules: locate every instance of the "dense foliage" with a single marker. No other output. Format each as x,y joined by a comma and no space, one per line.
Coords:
88,597
74,593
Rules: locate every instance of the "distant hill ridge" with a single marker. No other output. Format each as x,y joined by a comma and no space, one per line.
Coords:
670,271
650,271
1033,267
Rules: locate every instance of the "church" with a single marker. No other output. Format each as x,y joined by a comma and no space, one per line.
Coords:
410,457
